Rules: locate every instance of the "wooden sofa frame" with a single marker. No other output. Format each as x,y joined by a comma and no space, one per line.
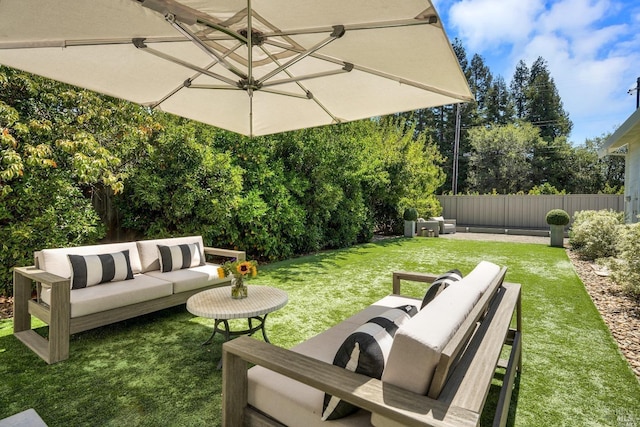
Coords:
57,315
459,388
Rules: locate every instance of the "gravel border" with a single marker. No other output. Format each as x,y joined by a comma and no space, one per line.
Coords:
620,311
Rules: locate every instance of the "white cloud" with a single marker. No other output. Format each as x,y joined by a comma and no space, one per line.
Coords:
483,22
591,47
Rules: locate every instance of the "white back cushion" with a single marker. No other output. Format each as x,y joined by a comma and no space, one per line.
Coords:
148,250
55,261
481,276
418,344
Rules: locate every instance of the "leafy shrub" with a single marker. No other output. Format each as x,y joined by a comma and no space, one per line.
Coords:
625,269
410,214
557,217
594,234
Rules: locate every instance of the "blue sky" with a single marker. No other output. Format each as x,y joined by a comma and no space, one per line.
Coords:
592,48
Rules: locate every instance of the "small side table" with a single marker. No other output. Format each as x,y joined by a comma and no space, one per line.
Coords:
217,304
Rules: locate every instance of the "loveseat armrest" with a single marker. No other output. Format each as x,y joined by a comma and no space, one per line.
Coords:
411,276
57,315
227,253
390,402
451,221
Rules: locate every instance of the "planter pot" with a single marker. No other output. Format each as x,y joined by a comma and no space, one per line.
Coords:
557,236
409,229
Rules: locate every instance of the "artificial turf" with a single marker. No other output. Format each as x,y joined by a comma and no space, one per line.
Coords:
153,371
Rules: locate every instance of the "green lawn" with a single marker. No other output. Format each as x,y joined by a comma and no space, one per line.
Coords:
152,371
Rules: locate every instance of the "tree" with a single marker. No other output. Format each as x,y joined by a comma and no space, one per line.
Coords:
53,152
543,104
500,158
480,81
499,109
519,85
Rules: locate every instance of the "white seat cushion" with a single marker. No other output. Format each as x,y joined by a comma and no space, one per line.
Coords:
111,295
189,279
148,250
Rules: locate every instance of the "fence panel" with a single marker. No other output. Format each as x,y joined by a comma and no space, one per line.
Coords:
521,211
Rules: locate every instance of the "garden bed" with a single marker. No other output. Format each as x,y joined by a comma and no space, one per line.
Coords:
620,311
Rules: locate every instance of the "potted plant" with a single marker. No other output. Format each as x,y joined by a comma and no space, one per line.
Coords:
557,219
410,216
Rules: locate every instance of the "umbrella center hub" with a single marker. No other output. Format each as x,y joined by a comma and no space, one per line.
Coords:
257,38
249,84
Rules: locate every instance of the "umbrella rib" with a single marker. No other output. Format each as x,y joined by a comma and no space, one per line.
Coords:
187,83
376,73
338,31
139,43
427,20
347,67
308,93
206,49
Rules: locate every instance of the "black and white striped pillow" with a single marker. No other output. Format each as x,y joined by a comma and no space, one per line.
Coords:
179,256
365,351
90,270
440,284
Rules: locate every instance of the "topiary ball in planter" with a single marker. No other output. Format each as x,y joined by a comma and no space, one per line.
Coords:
557,217
410,214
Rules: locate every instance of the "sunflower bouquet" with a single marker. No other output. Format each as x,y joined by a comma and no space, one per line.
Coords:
238,271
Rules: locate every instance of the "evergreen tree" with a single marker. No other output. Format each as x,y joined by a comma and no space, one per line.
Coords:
543,104
480,82
499,107
519,85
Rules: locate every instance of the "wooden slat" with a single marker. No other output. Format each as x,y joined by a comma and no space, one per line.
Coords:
470,381
35,342
38,275
40,311
411,276
228,253
21,297
255,418
389,401
502,409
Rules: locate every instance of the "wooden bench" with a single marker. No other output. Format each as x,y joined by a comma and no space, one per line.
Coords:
458,391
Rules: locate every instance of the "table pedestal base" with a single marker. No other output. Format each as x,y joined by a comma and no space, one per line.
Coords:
228,333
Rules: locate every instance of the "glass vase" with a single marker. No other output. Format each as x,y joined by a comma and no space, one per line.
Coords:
238,288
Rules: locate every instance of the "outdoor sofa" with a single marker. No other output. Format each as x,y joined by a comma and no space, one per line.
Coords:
438,371
72,295
446,225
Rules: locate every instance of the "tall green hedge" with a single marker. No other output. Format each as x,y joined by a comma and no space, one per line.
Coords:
64,149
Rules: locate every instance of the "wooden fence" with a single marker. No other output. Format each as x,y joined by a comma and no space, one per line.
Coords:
521,211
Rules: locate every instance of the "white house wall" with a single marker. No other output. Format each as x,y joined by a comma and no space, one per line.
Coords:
632,182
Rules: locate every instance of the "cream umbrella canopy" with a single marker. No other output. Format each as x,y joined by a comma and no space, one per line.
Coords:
310,62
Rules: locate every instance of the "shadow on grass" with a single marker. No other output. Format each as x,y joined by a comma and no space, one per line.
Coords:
151,370
319,262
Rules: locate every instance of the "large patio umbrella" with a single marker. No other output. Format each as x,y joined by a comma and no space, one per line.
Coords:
311,62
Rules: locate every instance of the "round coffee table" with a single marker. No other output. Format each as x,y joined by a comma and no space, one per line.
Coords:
217,304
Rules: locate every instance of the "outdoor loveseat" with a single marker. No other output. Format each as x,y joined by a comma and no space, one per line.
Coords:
438,370
81,288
